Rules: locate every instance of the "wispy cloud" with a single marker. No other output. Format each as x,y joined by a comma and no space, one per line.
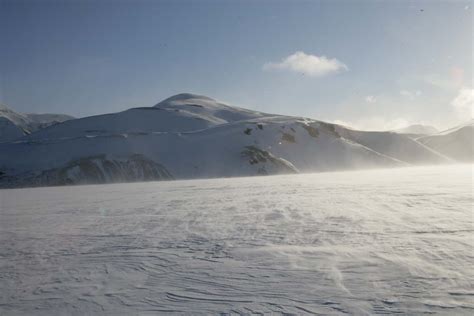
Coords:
311,65
464,102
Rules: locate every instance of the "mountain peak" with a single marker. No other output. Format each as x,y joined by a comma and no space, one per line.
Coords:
185,97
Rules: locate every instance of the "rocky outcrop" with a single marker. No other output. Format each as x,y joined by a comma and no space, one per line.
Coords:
97,170
266,162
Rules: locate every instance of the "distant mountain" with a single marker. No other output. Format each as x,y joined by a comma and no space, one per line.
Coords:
14,125
456,143
417,129
192,136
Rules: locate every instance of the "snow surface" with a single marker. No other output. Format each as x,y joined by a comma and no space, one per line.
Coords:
362,242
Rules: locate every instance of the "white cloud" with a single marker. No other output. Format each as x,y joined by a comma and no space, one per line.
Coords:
464,102
370,99
311,65
410,94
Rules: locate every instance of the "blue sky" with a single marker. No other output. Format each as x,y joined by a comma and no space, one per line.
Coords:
370,64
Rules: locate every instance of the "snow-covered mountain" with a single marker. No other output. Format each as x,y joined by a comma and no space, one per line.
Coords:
192,136
456,142
39,121
181,113
14,125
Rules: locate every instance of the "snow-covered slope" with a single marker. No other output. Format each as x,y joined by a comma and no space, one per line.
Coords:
137,120
192,136
14,125
417,129
456,143
394,145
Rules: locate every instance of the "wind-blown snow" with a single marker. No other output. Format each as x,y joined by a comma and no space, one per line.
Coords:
364,242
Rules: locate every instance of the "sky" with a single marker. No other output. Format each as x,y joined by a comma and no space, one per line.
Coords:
367,64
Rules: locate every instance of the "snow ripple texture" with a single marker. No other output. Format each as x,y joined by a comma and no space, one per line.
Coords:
364,242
